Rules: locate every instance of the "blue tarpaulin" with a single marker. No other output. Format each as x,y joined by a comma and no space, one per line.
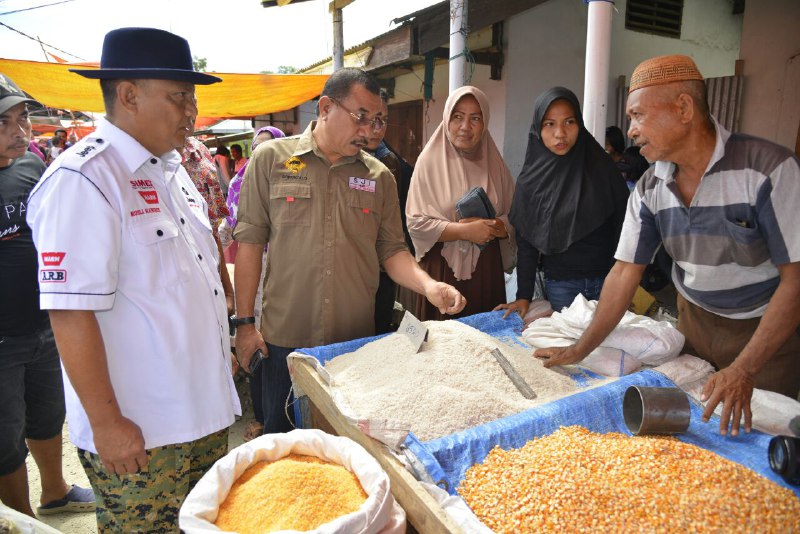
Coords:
598,409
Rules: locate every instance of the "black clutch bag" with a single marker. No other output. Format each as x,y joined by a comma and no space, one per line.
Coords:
475,203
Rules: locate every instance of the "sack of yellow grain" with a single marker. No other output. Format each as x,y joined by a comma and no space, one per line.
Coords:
280,460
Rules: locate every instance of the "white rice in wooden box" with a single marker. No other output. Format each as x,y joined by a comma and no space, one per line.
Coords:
452,384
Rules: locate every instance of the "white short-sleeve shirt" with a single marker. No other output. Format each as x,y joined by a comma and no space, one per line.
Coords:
125,233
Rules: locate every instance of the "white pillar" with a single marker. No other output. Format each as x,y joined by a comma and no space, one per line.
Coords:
458,42
598,56
338,39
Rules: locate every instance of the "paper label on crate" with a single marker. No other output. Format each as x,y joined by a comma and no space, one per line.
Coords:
414,330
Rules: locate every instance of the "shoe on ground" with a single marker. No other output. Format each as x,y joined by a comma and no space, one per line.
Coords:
77,499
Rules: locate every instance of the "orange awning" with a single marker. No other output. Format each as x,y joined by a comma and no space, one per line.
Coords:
239,95
46,130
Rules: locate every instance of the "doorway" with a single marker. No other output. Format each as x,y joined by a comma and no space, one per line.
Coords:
404,133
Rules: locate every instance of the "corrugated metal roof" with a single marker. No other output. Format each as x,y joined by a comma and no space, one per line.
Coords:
423,11
352,50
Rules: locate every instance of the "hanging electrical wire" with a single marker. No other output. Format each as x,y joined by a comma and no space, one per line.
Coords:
35,7
40,42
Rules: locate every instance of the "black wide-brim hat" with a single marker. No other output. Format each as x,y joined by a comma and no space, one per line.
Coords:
146,53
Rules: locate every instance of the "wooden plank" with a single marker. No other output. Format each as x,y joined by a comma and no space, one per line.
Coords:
393,47
423,512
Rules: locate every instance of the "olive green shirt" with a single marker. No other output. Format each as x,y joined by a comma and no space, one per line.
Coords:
329,229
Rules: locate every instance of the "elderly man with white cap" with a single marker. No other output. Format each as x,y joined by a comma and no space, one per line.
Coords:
129,271
724,206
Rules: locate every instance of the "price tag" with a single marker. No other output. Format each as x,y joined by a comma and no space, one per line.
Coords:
414,330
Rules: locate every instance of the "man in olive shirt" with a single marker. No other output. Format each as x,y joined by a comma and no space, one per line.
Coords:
331,216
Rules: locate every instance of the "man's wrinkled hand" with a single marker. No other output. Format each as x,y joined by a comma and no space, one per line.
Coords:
445,297
733,387
558,356
120,445
520,306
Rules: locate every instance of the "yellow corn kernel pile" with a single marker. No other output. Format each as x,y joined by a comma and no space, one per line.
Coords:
576,480
294,493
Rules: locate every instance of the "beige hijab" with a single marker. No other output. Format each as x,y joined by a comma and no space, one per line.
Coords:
442,175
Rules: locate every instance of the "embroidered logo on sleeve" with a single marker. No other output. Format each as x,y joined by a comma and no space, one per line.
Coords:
362,184
50,276
53,259
294,164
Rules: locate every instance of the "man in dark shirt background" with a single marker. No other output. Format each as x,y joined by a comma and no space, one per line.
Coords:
388,291
31,389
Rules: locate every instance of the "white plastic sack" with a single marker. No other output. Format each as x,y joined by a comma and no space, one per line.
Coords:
650,342
611,362
379,514
537,309
771,411
24,524
457,509
686,371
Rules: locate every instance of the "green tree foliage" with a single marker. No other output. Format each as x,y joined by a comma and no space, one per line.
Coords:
200,64
283,69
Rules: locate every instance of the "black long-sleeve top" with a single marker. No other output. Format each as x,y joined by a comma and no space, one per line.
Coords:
589,257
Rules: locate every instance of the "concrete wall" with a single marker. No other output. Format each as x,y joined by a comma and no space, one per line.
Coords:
771,54
546,47
409,87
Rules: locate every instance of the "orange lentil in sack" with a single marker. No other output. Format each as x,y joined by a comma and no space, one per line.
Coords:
575,480
294,493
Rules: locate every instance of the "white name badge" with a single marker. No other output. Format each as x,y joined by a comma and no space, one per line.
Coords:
362,184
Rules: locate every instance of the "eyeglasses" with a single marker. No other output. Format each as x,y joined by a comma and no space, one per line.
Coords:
377,123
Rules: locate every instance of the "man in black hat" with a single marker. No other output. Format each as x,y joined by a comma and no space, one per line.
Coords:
130,276
31,389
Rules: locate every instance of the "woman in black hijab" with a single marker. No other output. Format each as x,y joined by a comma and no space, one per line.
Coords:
568,207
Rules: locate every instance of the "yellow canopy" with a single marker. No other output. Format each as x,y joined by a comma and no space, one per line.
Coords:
238,95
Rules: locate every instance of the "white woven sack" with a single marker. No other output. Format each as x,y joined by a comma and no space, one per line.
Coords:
380,514
651,342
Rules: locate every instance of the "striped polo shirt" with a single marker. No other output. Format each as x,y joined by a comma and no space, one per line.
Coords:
742,222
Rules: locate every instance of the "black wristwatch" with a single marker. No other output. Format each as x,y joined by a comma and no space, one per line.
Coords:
234,321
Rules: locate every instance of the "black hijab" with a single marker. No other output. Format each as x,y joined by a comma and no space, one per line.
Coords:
561,199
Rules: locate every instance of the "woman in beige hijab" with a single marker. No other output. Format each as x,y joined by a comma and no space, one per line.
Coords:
461,155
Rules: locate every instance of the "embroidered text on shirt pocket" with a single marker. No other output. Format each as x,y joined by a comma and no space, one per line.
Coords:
290,204
160,254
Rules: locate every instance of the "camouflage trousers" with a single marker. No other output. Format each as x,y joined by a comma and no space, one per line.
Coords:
149,501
